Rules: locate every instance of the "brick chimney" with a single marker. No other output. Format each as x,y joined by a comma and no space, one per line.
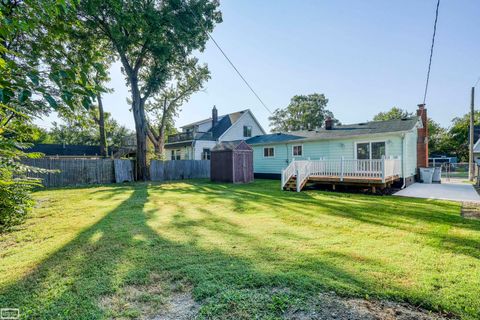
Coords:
328,123
422,142
214,116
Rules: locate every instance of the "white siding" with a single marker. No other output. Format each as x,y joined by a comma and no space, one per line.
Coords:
332,149
198,148
236,130
185,153
204,127
411,153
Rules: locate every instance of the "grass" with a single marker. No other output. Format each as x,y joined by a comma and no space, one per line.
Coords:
244,250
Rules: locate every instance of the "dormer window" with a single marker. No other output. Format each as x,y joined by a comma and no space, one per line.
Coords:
247,131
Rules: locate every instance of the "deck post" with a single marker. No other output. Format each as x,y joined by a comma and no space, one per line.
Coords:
383,169
281,183
297,183
341,168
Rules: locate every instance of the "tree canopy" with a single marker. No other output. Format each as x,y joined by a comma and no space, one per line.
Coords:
187,79
457,139
442,141
304,112
393,113
42,68
78,132
149,37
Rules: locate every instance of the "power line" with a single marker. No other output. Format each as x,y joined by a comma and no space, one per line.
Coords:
238,72
478,80
230,62
431,52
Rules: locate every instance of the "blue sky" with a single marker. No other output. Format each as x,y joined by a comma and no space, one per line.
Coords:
365,56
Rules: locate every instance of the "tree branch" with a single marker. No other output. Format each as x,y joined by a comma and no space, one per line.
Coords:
151,136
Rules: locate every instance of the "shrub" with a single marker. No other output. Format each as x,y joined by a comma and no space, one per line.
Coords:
15,185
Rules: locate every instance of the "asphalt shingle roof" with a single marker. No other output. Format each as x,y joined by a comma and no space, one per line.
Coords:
223,124
340,131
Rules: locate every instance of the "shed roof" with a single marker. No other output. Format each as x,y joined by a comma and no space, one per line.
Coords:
341,131
231,145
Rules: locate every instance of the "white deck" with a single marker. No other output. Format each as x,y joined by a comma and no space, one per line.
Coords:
444,191
379,171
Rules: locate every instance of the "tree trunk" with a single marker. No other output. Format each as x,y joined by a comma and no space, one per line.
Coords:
161,131
101,126
161,141
140,129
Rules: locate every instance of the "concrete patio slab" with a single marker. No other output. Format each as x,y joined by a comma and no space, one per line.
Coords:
445,191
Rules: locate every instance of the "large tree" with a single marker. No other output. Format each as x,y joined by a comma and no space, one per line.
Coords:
187,79
84,131
43,64
304,112
458,135
393,113
438,139
42,68
149,37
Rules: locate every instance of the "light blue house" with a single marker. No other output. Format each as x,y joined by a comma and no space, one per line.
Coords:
376,154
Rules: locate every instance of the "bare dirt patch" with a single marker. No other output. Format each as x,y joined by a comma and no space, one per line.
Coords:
330,306
180,306
160,299
471,210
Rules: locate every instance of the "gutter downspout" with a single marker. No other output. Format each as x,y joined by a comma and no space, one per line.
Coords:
404,150
286,146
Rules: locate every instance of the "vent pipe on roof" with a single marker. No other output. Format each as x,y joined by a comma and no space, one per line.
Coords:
329,123
214,116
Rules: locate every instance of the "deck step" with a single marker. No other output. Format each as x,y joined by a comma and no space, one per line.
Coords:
291,184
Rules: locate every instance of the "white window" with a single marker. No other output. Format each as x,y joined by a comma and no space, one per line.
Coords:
370,150
176,154
297,151
269,152
247,131
206,154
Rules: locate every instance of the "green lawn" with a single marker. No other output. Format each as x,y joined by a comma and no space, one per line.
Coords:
243,250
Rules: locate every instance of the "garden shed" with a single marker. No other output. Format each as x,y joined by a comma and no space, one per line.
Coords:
231,162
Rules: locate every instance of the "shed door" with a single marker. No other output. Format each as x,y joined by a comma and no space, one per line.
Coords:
244,167
240,167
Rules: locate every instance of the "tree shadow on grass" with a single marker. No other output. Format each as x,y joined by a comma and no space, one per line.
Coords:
431,219
122,249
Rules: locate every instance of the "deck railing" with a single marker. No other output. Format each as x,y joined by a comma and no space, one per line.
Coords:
187,136
341,169
287,173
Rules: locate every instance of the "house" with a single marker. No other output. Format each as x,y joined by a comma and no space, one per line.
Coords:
374,154
198,138
476,152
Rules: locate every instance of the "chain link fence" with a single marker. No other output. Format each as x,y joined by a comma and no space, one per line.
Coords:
457,171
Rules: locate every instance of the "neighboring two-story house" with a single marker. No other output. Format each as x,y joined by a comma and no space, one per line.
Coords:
198,138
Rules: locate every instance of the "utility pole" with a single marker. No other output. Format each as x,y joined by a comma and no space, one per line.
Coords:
471,164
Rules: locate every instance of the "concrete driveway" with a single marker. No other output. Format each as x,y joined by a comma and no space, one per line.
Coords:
445,191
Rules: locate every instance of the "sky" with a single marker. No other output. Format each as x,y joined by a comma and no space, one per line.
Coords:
365,56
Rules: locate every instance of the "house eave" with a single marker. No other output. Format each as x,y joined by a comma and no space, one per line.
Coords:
179,144
301,140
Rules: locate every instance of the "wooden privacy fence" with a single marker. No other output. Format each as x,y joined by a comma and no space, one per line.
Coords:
179,169
81,171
